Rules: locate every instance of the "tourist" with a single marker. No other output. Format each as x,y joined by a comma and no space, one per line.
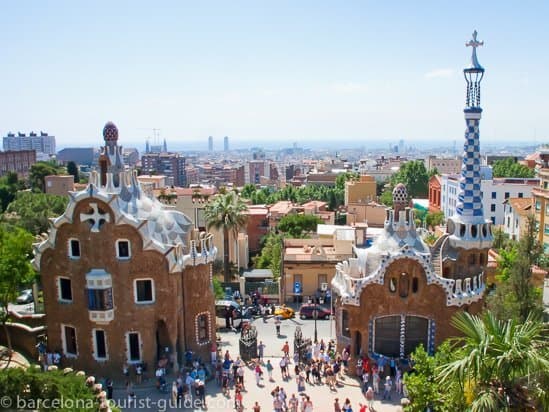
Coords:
256,407
189,383
370,397
213,353
260,350
269,368
138,373
308,405
277,325
282,395
347,406
238,405
375,380
387,388
240,376
201,393
300,379
293,403
362,407
174,393
258,373
286,349
283,367
337,408
365,380
398,381
110,388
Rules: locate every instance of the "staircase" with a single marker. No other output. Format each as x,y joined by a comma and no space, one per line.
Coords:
436,251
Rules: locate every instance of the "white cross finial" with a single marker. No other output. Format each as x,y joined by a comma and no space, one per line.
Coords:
474,43
95,217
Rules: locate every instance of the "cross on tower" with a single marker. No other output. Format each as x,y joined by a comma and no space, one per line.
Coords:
474,43
96,217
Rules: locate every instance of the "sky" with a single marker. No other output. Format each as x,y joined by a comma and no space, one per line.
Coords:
269,72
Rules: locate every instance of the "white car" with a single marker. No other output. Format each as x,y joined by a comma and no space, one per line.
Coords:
25,297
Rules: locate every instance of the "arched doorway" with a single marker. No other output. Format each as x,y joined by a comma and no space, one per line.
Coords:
399,335
162,339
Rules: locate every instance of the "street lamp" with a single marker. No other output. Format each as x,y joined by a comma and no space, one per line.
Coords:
315,316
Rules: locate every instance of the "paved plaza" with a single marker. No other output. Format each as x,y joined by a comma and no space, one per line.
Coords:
149,398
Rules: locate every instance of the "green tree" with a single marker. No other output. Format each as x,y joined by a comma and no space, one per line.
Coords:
226,213
15,271
271,254
297,226
509,168
386,197
9,185
501,239
434,219
515,296
31,211
38,172
247,191
414,176
503,365
424,389
72,169
68,390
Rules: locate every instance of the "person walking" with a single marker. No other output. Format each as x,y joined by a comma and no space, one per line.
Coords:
370,398
256,407
293,403
337,407
258,373
286,349
260,350
387,388
269,368
277,325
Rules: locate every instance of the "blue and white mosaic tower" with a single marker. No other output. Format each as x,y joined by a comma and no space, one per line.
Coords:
468,227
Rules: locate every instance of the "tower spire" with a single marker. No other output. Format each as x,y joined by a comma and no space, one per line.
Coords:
468,225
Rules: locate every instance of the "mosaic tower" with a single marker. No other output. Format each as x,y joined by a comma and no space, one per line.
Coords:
468,227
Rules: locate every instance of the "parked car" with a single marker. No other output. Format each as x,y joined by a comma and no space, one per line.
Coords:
307,311
25,297
284,312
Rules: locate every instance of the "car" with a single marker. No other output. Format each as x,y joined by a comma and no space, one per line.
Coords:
284,312
307,311
221,306
25,297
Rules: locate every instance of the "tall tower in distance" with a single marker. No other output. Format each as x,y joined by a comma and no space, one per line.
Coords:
165,147
210,143
468,228
226,143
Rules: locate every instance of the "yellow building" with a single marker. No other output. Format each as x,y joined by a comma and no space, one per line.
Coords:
360,191
541,199
309,266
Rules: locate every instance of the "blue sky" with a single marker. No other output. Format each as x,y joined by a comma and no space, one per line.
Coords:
271,71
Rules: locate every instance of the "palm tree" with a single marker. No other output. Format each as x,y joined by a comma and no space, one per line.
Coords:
504,364
226,212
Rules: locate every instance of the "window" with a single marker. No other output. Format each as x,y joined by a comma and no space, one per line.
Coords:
64,289
547,209
322,278
403,285
345,331
74,248
144,290
203,328
100,299
99,344
123,249
506,195
492,207
538,205
494,195
134,347
508,221
393,285
520,195
493,219
546,230
69,340
415,285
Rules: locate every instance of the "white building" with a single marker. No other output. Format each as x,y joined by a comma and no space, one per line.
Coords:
516,212
42,143
494,193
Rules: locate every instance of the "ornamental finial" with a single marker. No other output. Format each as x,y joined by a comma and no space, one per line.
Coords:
474,43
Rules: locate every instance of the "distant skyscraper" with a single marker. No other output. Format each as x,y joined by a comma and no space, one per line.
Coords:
43,143
165,146
147,147
226,143
210,143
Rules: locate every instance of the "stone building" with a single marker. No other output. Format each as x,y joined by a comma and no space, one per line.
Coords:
125,279
400,293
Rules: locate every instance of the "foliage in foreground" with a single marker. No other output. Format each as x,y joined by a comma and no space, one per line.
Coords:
28,387
502,365
425,390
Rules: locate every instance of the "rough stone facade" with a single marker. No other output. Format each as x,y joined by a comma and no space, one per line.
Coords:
100,292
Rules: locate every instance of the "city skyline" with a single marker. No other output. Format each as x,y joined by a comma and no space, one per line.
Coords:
268,74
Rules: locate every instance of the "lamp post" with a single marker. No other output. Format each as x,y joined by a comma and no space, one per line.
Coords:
315,316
